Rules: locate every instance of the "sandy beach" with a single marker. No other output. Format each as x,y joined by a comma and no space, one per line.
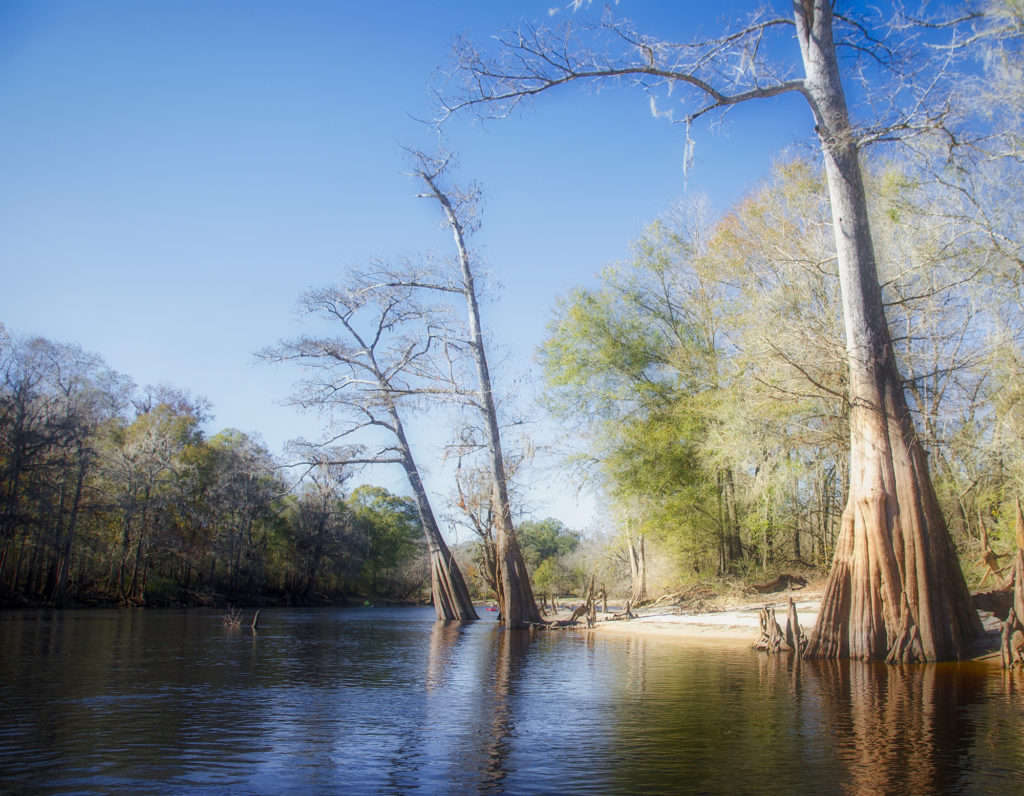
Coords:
738,624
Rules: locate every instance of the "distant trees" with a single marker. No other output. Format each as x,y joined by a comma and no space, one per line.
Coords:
114,496
55,400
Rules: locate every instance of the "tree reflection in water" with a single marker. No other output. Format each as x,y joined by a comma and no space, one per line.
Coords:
895,729
386,701
476,684
443,636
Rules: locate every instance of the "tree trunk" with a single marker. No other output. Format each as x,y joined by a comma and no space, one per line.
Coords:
637,570
732,532
515,595
447,586
64,565
895,590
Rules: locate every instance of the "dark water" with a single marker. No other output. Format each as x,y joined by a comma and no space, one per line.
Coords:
387,701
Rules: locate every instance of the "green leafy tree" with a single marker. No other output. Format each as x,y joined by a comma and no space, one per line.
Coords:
392,528
545,539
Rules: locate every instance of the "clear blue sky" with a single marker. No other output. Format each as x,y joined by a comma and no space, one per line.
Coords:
174,173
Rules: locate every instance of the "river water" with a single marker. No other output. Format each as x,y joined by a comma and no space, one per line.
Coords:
380,700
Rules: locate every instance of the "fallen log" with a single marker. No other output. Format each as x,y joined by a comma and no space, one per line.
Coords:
781,583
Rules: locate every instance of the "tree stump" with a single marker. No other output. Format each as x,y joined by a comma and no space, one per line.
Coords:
795,637
771,637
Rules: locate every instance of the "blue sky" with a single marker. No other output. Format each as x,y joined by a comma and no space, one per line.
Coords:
174,173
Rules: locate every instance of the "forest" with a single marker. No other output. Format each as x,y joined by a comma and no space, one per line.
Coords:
116,496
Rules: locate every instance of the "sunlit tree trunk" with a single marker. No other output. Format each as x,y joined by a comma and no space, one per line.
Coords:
896,590
515,594
637,569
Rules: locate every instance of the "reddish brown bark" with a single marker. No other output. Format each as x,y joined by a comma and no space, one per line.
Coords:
896,590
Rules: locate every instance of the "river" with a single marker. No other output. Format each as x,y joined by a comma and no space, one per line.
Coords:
386,700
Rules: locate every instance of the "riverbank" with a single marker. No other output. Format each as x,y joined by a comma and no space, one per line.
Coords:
737,624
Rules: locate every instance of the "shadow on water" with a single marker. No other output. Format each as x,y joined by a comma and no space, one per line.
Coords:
391,701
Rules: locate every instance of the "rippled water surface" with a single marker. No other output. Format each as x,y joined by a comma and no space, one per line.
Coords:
389,701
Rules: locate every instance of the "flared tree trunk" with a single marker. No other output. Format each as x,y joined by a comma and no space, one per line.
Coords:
896,590
451,595
447,586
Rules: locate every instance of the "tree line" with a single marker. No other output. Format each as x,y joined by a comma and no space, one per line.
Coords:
113,495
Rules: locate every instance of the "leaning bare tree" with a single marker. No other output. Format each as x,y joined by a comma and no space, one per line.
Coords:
515,594
896,590
387,354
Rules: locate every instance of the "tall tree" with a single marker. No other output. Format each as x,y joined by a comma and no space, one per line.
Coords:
515,594
638,365
896,590
141,466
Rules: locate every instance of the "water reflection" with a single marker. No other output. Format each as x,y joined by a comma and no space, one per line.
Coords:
502,722
902,728
383,701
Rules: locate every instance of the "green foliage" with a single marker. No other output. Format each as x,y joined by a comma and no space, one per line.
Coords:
545,540
557,577
391,525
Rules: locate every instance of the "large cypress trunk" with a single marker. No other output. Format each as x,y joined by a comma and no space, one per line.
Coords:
896,590
515,594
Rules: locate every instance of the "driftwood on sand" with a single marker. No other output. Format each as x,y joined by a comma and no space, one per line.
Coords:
586,611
